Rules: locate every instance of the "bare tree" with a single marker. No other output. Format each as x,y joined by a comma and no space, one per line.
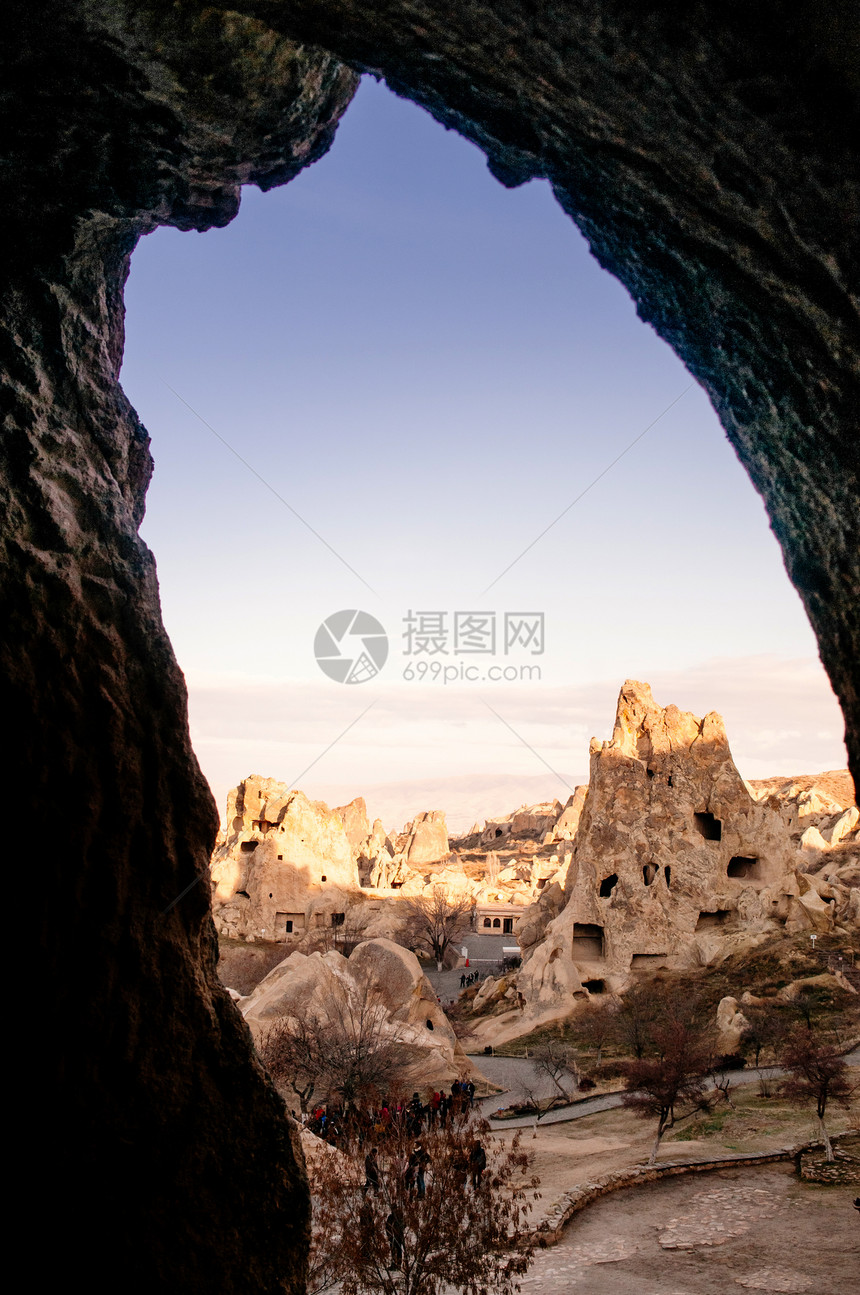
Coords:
349,1046
597,1025
636,1014
656,1085
434,921
817,1074
461,1228
557,1061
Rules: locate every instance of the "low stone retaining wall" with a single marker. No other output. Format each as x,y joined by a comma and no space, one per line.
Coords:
550,1229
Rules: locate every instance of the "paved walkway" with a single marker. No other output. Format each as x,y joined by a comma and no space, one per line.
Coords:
735,1230
514,1072
485,957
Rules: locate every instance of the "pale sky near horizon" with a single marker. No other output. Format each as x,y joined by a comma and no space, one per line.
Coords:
429,369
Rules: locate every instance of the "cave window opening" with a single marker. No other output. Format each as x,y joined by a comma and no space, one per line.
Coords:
608,884
710,919
669,781
496,924
323,877
587,941
594,986
338,919
289,926
280,858
650,773
708,825
667,873
649,872
248,847
243,893
429,1023
744,868
498,831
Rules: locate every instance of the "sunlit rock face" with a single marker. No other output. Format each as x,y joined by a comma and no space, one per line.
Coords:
285,865
674,863
704,151
378,977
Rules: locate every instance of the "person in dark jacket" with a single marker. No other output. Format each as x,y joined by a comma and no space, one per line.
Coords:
477,1164
371,1172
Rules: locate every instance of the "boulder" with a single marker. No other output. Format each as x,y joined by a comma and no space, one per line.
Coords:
379,972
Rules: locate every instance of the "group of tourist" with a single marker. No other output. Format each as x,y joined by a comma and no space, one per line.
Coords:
357,1124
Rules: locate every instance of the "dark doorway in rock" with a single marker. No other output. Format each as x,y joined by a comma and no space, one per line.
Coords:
608,884
744,868
649,872
587,941
594,986
429,1023
508,926
248,847
708,826
667,873
338,919
708,920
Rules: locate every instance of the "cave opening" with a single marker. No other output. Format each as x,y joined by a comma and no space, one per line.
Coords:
708,825
587,941
745,868
708,919
166,745
608,884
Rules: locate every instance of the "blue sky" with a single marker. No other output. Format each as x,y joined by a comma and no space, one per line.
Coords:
429,368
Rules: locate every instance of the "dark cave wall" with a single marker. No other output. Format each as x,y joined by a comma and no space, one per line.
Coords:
705,153
159,1154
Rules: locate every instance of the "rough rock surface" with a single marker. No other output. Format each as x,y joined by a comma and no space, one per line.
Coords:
391,975
673,864
706,154
283,859
425,839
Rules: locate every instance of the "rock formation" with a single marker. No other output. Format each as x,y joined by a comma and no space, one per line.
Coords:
706,154
285,865
380,972
287,869
674,863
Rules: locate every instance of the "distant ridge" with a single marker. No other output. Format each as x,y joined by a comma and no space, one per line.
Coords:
464,799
